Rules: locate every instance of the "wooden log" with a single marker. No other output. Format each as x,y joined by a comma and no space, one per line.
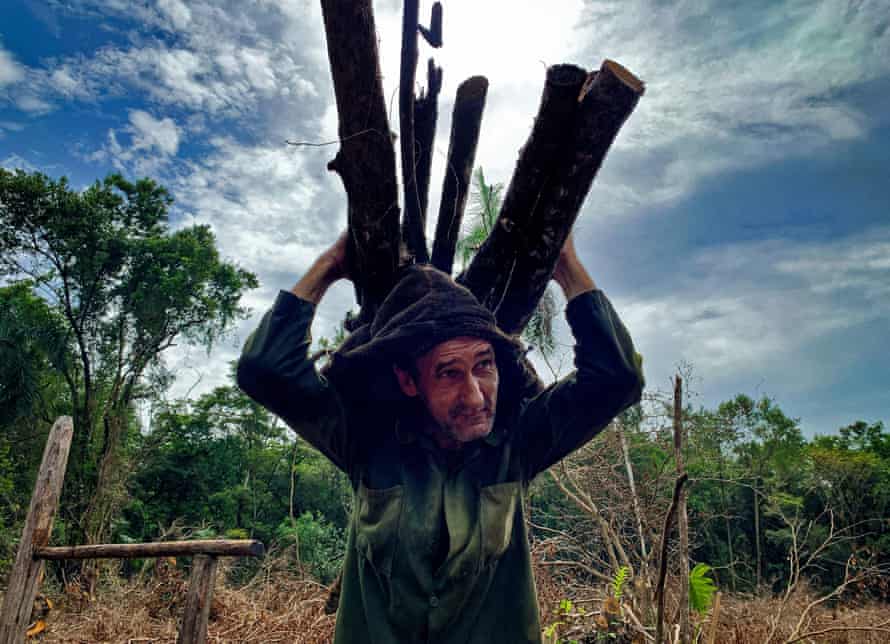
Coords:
466,121
606,100
196,613
19,598
215,547
547,143
366,160
412,219
426,114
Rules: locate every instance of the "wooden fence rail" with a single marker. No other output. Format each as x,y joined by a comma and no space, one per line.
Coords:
24,579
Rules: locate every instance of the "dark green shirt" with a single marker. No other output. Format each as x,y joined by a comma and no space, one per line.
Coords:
437,546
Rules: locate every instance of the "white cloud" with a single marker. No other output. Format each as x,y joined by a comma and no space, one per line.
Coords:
178,13
146,146
745,308
10,70
151,133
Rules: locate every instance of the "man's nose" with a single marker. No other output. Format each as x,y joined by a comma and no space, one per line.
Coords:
472,394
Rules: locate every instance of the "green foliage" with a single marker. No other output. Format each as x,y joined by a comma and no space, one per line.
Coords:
320,544
119,287
701,588
618,581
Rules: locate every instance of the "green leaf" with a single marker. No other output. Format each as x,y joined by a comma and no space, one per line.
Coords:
701,588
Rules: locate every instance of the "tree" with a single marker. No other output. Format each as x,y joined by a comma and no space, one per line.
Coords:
126,287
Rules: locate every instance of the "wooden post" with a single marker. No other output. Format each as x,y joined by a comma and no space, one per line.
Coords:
197,602
682,518
715,620
19,598
662,563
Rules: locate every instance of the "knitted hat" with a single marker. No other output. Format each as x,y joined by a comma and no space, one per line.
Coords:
425,308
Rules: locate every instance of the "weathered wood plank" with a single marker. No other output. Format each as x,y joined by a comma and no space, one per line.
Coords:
466,121
216,547
196,613
25,576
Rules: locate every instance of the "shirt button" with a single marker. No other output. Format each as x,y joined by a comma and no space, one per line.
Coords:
434,601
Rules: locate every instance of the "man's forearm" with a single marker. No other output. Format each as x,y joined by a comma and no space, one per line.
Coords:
327,269
313,285
571,275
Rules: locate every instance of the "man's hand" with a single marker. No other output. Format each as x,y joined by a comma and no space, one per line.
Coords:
569,273
328,268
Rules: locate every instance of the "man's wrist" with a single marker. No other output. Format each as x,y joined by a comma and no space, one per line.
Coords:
314,284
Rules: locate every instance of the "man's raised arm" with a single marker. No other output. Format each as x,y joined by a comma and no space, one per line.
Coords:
606,381
275,370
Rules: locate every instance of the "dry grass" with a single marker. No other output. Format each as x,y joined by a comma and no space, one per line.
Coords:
279,607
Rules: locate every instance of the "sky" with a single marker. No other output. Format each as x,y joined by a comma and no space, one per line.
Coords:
740,222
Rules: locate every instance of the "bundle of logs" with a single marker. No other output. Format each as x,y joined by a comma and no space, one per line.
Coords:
578,118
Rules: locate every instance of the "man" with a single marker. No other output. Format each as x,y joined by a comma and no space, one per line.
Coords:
432,414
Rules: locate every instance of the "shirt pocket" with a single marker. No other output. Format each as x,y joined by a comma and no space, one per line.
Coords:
497,510
377,519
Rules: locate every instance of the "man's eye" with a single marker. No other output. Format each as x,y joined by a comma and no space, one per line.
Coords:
486,365
449,373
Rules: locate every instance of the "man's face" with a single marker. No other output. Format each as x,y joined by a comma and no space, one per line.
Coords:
458,382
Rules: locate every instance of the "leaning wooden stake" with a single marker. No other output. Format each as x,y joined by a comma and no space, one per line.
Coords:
19,598
197,603
715,620
682,518
662,564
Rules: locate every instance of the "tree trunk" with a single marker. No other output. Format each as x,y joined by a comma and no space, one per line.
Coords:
682,518
758,567
466,121
366,160
526,253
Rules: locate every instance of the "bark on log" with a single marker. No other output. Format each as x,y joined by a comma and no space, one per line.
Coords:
215,547
196,612
547,144
526,257
466,121
426,114
366,160
412,221
25,576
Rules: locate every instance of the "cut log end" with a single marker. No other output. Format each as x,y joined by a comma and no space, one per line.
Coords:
625,76
474,88
565,74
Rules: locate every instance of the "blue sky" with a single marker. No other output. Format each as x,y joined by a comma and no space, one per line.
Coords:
740,224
